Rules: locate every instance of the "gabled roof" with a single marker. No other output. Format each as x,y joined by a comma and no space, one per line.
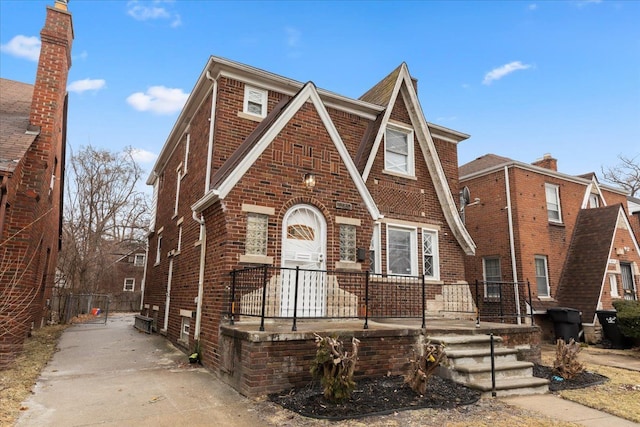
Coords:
586,264
251,149
381,93
403,87
16,134
481,163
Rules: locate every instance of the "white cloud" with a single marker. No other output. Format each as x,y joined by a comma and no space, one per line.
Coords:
293,36
533,6
23,47
581,3
159,99
143,156
144,11
500,72
80,86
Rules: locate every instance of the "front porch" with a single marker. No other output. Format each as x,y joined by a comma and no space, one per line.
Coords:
258,362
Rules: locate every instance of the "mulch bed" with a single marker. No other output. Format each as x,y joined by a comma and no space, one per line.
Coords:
386,395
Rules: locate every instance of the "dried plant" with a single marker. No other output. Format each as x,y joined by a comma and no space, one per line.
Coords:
423,366
566,364
335,367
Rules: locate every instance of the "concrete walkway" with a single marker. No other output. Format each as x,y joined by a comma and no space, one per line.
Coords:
113,375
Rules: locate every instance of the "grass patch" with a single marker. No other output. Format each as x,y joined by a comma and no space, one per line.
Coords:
17,381
619,396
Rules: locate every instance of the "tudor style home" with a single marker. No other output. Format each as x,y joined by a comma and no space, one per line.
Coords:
569,236
33,121
267,172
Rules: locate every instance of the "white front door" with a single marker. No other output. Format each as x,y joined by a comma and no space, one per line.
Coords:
303,245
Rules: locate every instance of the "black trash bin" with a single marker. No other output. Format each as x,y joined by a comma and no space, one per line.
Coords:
566,322
610,331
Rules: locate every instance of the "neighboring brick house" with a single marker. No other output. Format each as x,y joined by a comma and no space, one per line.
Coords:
260,169
33,121
123,280
530,223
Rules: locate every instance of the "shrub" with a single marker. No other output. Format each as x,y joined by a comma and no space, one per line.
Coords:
628,317
423,367
566,364
335,366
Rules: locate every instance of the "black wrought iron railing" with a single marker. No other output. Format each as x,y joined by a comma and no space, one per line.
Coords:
268,292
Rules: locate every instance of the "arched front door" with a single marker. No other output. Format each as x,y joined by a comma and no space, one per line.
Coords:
304,237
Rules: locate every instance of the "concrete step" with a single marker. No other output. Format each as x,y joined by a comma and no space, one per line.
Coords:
481,355
512,387
482,372
468,342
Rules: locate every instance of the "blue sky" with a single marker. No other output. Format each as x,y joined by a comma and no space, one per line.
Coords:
523,78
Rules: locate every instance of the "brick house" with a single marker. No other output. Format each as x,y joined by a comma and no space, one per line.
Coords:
263,171
32,155
561,233
123,278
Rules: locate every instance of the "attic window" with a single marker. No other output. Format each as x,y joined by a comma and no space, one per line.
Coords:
255,101
398,151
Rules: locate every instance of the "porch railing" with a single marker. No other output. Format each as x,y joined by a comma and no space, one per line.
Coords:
268,292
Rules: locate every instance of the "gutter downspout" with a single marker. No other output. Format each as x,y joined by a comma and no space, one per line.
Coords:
212,119
514,264
203,252
4,192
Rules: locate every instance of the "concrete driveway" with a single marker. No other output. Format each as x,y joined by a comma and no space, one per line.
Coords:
114,375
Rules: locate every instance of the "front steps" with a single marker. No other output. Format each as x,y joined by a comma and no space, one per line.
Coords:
469,363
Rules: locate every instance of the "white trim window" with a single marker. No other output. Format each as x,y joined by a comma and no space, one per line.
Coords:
179,248
347,243
255,101
375,264
129,284
138,260
257,234
430,259
542,275
492,274
158,250
552,193
402,250
178,180
613,285
398,150
594,200
186,154
185,329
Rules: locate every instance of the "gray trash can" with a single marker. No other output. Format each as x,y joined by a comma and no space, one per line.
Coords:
566,323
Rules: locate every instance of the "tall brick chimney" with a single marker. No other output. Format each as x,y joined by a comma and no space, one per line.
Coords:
547,162
50,88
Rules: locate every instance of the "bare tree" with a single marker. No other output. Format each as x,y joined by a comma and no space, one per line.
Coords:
625,174
104,213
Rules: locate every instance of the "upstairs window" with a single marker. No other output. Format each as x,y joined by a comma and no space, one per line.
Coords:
139,260
398,150
594,201
255,101
552,193
158,250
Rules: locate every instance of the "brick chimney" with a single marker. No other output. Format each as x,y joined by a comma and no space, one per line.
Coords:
50,88
547,162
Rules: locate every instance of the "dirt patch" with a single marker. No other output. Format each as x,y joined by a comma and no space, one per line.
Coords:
17,381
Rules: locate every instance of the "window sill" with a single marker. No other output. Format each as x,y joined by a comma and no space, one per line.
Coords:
256,259
197,243
557,224
347,265
400,175
395,279
248,116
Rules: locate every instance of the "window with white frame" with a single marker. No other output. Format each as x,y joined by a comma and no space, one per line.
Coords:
159,250
430,261
179,247
542,275
257,233
552,193
185,328
594,201
178,180
492,276
374,251
398,150
186,154
613,285
129,284
255,101
402,250
138,260
347,242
